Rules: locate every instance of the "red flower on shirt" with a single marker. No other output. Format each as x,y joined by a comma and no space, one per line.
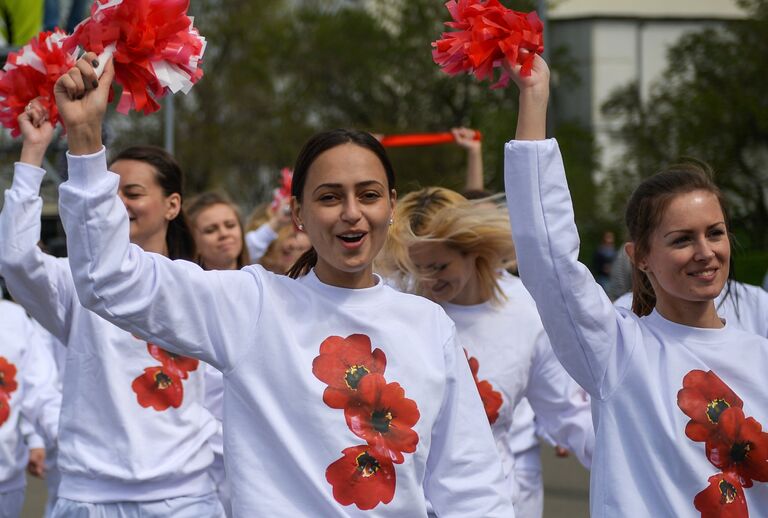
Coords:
5,407
384,417
703,398
740,446
7,376
724,498
362,477
492,399
343,363
159,388
176,363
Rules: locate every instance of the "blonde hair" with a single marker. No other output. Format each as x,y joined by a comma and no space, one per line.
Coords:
439,215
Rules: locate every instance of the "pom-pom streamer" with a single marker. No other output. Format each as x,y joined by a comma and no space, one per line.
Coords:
487,36
31,74
155,48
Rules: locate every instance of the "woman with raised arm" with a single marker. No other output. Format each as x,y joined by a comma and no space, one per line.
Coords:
133,434
679,396
454,252
341,394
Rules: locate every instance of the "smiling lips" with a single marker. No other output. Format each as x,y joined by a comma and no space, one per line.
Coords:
352,240
708,274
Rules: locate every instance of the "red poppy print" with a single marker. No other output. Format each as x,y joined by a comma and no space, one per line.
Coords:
703,398
176,363
158,388
343,363
362,477
492,399
7,376
5,407
724,498
740,446
384,417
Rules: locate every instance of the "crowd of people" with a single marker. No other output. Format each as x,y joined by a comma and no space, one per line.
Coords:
350,352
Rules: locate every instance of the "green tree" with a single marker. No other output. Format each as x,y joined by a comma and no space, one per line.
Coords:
710,104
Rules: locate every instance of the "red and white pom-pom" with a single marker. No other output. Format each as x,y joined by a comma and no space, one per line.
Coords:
283,192
487,36
155,48
30,74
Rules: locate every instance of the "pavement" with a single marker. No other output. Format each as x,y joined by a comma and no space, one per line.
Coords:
566,489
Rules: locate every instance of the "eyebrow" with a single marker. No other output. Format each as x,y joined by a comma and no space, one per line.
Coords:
339,186
133,185
687,230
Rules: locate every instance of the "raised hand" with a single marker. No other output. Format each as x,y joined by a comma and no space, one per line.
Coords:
465,137
36,133
82,101
534,97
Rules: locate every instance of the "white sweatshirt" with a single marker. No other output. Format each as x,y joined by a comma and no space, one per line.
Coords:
258,241
514,355
644,463
745,307
111,447
286,405
27,377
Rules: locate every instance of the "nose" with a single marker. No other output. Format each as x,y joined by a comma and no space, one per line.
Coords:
703,250
351,210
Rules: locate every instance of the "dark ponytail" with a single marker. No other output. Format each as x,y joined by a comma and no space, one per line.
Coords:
178,237
313,148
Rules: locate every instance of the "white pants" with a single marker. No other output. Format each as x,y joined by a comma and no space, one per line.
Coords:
206,506
11,503
530,498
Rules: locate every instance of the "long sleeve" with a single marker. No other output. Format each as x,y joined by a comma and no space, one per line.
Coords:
41,404
591,340
172,303
561,411
259,240
39,282
465,477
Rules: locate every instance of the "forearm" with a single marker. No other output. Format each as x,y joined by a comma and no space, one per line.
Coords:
532,113
475,180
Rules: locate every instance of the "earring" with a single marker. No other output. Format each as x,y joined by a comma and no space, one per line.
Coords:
301,227
391,221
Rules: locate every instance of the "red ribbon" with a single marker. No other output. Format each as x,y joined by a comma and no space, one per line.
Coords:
421,139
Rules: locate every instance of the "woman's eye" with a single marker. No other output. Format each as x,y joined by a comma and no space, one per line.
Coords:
718,232
371,195
681,240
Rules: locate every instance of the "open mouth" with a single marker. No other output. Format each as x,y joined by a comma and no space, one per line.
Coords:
704,274
352,238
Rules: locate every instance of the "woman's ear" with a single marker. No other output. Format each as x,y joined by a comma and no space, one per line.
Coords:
296,213
173,206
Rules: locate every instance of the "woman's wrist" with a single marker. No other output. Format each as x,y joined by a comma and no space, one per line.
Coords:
32,154
84,139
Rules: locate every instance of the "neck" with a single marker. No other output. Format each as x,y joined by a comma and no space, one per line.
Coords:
341,279
471,295
154,244
690,313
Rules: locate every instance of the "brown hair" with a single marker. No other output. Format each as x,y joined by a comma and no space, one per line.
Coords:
208,199
645,211
439,215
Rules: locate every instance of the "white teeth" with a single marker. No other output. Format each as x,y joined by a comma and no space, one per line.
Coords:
705,273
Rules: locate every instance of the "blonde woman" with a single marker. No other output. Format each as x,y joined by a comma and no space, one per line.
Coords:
454,252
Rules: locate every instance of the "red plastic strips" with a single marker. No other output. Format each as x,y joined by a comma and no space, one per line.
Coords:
421,139
487,36
155,48
30,74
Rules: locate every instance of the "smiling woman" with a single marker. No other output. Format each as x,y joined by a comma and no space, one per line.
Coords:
344,198
408,430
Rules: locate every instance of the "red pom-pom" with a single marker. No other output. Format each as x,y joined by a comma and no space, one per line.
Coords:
284,191
488,35
30,74
156,48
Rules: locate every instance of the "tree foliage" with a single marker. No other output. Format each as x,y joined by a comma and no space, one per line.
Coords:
277,71
710,104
